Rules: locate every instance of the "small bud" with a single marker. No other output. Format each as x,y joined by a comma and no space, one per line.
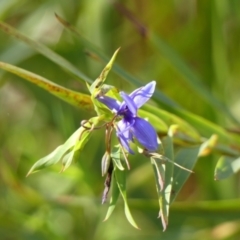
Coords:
105,163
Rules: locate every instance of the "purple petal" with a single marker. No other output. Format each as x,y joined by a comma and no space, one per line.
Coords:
129,102
142,95
124,142
111,103
124,126
144,132
124,134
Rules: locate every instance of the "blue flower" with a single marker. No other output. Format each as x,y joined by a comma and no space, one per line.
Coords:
131,126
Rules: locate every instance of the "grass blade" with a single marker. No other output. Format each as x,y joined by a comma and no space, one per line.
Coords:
121,182
59,60
74,98
191,78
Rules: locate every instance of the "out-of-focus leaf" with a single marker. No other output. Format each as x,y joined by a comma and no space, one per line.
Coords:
6,5
203,126
192,79
214,208
75,98
208,145
171,119
207,128
58,153
187,158
121,182
227,149
45,51
226,167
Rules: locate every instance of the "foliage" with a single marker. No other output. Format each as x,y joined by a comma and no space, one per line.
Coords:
184,134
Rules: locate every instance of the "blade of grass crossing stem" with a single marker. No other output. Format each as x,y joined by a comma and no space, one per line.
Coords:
74,98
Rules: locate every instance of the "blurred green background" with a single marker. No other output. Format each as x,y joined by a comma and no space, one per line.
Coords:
48,205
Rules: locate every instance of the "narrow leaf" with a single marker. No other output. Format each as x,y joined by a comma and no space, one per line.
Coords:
191,78
67,160
75,98
170,119
121,182
159,172
79,144
186,157
102,77
115,192
59,60
58,153
207,128
116,157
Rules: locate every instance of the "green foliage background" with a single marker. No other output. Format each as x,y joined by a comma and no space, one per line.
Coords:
48,205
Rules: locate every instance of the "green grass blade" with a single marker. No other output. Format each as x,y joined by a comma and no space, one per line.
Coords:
191,78
59,60
121,182
207,128
170,119
74,98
